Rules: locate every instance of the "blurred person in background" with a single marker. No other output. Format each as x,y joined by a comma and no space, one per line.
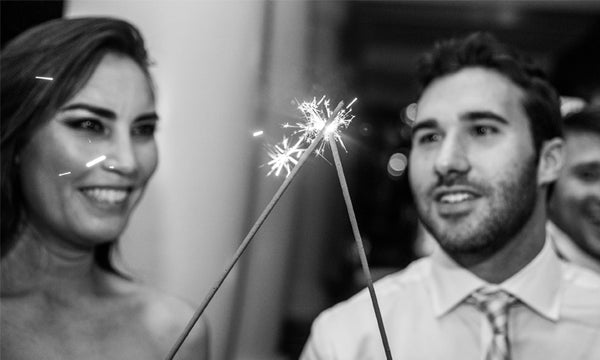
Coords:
486,146
574,207
78,149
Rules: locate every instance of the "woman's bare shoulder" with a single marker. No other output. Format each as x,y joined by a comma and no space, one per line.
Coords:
165,317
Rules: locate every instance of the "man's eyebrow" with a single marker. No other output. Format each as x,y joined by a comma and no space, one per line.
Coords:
479,115
425,124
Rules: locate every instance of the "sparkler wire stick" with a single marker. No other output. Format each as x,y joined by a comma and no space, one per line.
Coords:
261,219
359,244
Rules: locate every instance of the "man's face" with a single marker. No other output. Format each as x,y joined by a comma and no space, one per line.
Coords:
472,167
575,203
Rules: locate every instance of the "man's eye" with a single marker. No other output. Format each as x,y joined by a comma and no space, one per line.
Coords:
428,138
484,130
588,176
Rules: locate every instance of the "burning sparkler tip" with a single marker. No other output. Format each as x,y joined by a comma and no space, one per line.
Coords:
316,114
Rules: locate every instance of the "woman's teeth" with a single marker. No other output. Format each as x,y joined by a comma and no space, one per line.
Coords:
111,196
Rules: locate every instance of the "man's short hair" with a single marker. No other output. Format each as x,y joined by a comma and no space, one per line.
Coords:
586,120
541,102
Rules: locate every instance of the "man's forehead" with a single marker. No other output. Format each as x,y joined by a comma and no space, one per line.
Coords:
581,144
471,90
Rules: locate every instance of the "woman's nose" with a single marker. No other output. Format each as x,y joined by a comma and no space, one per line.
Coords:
121,157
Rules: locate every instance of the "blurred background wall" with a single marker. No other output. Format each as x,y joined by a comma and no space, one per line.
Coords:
225,69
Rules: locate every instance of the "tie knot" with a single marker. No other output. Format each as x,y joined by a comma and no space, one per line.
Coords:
494,303
486,297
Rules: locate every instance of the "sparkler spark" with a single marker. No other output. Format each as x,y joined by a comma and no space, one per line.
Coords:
314,117
284,156
48,78
95,161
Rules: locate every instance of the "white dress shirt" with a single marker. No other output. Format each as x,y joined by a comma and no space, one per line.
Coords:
425,316
566,248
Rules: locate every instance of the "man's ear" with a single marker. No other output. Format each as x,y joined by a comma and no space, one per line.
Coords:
551,161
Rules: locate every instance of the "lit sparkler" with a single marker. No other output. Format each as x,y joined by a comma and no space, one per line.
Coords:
244,244
321,126
360,246
284,156
314,118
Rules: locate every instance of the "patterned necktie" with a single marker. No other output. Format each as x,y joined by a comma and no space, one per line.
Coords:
494,303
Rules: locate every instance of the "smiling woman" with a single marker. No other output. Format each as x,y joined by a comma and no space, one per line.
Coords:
78,149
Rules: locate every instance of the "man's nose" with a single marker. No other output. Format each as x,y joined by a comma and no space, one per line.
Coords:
452,157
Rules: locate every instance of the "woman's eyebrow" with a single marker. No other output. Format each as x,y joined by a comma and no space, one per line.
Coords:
149,116
102,112
106,113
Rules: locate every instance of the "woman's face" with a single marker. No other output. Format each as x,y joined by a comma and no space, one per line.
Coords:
84,170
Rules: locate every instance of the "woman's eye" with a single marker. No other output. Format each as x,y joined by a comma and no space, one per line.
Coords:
91,125
144,130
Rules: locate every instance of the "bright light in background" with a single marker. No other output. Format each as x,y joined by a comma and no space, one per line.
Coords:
257,133
397,164
410,113
570,105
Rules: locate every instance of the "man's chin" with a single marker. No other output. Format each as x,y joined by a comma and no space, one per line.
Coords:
467,246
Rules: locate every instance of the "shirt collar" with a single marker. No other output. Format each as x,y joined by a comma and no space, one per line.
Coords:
567,249
450,283
538,283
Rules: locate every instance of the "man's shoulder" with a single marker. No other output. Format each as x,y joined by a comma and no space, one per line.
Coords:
398,289
580,280
581,295
579,277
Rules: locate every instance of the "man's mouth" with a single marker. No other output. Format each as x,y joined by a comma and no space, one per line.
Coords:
455,197
455,194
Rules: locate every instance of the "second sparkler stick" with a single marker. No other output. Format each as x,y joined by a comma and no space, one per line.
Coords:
359,244
261,219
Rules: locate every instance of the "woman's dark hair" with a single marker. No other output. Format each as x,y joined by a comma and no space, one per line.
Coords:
541,102
68,50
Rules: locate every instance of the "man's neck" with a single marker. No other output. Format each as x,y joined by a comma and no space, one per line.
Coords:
514,256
